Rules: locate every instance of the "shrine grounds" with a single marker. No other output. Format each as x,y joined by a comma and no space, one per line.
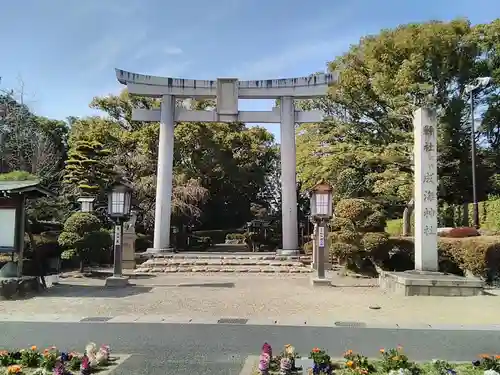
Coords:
257,299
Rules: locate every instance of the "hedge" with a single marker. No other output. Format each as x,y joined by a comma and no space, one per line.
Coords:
489,218
477,255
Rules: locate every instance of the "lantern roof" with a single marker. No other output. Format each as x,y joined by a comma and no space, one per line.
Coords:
322,187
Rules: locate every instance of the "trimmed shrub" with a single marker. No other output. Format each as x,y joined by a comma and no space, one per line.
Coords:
217,235
489,218
358,239
461,232
308,248
478,255
355,210
235,236
47,246
84,238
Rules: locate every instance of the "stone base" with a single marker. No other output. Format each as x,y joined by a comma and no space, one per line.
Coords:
421,283
283,252
315,281
117,281
153,250
128,264
328,266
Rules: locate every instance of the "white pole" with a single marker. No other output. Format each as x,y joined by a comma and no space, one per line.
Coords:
288,178
163,210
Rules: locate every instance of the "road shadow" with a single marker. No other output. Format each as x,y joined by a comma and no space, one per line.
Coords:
94,291
207,285
194,285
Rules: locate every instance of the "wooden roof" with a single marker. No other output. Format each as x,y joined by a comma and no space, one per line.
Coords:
29,187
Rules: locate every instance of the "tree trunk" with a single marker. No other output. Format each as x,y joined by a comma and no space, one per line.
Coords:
81,265
407,218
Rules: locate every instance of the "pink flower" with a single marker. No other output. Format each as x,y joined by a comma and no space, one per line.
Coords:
266,348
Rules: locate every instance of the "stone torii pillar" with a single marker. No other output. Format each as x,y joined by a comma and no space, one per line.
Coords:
227,91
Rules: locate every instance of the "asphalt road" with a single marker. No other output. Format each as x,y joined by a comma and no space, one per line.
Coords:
183,349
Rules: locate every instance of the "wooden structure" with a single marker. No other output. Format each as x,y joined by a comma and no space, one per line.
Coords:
13,195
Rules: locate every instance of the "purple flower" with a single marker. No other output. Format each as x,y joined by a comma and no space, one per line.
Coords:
85,366
59,369
266,348
64,357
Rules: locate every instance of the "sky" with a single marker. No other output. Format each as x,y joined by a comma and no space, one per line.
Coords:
63,52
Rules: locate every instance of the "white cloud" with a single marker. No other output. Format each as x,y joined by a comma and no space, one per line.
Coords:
107,52
155,49
272,66
172,51
171,69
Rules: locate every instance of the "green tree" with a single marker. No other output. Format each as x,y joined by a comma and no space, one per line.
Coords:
84,238
87,170
220,169
365,145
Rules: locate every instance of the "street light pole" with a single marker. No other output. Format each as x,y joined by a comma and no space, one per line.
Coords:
479,84
475,206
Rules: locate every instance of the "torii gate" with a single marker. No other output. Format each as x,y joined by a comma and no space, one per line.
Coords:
227,91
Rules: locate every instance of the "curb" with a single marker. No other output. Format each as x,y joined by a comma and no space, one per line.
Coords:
171,319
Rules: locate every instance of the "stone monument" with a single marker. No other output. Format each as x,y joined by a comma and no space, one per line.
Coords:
226,91
425,279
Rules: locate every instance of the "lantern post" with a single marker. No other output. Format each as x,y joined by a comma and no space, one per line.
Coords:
119,199
321,214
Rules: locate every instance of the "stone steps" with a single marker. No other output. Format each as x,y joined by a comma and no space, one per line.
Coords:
271,263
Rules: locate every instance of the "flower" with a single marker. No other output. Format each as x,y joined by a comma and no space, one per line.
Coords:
264,360
497,356
382,350
285,364
316,350
348,352
395,358
349,364
33,348
484,356
266,348
14,369
399,347
476,363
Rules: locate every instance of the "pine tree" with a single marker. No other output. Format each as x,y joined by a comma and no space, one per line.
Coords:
87,170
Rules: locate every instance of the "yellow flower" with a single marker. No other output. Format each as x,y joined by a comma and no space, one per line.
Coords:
395,358
382,350
349,364
33,348
14,369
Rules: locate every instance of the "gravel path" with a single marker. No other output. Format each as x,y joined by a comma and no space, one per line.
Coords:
256,296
